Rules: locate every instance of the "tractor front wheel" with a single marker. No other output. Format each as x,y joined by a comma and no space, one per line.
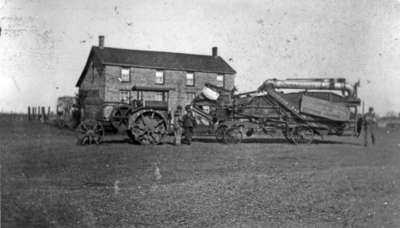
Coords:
90,132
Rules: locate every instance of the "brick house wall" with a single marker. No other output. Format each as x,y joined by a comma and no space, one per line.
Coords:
93,88
181,95
94,82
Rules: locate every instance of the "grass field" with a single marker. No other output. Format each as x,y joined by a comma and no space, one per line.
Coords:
48,181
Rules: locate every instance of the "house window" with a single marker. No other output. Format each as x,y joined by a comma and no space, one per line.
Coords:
125,75
159,77
190,79
124,96
220,80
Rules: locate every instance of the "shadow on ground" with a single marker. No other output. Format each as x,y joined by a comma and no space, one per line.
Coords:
118,141
275,141
248,140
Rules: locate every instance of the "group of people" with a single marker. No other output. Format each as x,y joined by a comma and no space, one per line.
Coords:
183,123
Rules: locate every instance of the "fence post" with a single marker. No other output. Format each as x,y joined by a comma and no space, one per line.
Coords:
48,112
43,114
29,113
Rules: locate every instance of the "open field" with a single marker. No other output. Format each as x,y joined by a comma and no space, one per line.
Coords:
48,181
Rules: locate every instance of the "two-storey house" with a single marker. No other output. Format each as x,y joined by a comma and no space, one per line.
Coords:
113,75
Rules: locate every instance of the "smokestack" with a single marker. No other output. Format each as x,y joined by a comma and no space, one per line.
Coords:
214,51
101,42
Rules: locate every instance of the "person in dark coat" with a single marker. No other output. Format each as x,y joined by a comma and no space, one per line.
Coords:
178,125
189,123
360,121
369,126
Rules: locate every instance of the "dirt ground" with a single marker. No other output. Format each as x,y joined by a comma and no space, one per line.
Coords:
48,181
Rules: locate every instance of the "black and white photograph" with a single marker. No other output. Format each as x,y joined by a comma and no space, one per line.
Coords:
199,113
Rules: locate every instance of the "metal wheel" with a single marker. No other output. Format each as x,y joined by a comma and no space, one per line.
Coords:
288,133
305,135
90,132
233,136
219,133
299,135
120,117
61,123
148,128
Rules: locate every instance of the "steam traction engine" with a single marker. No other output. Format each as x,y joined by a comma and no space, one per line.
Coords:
313,107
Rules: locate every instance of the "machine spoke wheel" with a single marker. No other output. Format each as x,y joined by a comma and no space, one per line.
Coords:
299,135
61,123
120,117
90,132
233,136
149,128
305,135
289,134
219,133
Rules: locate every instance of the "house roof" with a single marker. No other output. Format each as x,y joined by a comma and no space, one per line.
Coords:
157,60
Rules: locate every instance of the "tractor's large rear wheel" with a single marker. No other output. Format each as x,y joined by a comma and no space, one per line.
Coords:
148,128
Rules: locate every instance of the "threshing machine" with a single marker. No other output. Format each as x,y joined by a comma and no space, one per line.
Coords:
299,109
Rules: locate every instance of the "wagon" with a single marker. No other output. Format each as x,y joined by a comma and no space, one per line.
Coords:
66,112
304,109
144,119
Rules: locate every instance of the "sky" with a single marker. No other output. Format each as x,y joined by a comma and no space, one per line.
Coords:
44,43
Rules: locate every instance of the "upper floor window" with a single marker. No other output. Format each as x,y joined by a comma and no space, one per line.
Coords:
125,75
190,79
220,80
159,77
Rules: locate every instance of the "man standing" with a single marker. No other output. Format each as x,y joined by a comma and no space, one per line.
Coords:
178,125
189,123
369,126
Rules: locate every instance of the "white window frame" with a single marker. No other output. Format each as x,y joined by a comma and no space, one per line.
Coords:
192,79
160,74
125,75
219,76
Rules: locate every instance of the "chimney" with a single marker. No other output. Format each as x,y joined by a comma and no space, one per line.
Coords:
215,52
101,42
